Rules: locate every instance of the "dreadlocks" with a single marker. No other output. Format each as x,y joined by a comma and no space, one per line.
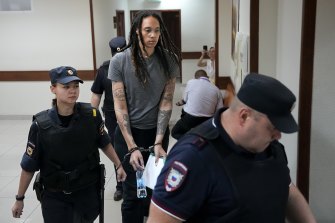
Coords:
165,49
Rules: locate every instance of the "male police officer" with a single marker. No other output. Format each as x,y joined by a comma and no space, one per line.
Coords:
232,168
102,84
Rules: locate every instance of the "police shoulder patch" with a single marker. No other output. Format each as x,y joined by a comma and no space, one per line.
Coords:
30,149
102,128
175,176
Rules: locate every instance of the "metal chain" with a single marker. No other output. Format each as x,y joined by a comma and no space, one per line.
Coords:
141,149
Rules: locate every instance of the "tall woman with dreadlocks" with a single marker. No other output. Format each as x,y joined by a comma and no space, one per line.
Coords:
143,82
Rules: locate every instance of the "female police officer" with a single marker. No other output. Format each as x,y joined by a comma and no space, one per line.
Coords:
63,144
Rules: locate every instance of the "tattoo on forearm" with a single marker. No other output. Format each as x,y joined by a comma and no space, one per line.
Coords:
119,94
126,123
169,90
168,97
163,121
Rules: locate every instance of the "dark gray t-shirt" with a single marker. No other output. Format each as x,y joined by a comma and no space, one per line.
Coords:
142,101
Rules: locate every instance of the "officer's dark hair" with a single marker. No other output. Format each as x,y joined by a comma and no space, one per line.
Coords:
164,48
54,101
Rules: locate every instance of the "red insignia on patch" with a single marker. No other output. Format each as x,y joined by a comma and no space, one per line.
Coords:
175,176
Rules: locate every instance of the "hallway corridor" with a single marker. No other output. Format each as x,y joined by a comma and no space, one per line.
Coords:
13,140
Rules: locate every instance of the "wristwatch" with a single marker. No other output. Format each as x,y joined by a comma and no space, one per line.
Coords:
19,198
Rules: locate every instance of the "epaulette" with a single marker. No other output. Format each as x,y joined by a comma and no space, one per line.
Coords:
87,109
199,142
42,119
205,132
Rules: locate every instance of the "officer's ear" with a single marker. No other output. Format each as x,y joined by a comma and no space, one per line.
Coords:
244,115
53,88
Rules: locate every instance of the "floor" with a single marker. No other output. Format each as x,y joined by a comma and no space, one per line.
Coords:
13,139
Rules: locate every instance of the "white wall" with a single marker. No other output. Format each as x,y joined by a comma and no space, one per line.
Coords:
58,33
268,16
288,64
322,178
32,97
103,13
225,27
54,33
244,21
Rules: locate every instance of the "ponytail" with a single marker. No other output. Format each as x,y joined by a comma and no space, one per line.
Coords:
54,102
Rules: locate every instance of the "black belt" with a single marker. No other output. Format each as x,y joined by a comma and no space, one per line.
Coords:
54,190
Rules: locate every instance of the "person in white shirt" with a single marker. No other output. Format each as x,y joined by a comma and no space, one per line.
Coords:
201,100
209,65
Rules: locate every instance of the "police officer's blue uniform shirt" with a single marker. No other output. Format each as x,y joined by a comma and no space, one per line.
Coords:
193,185
183,187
